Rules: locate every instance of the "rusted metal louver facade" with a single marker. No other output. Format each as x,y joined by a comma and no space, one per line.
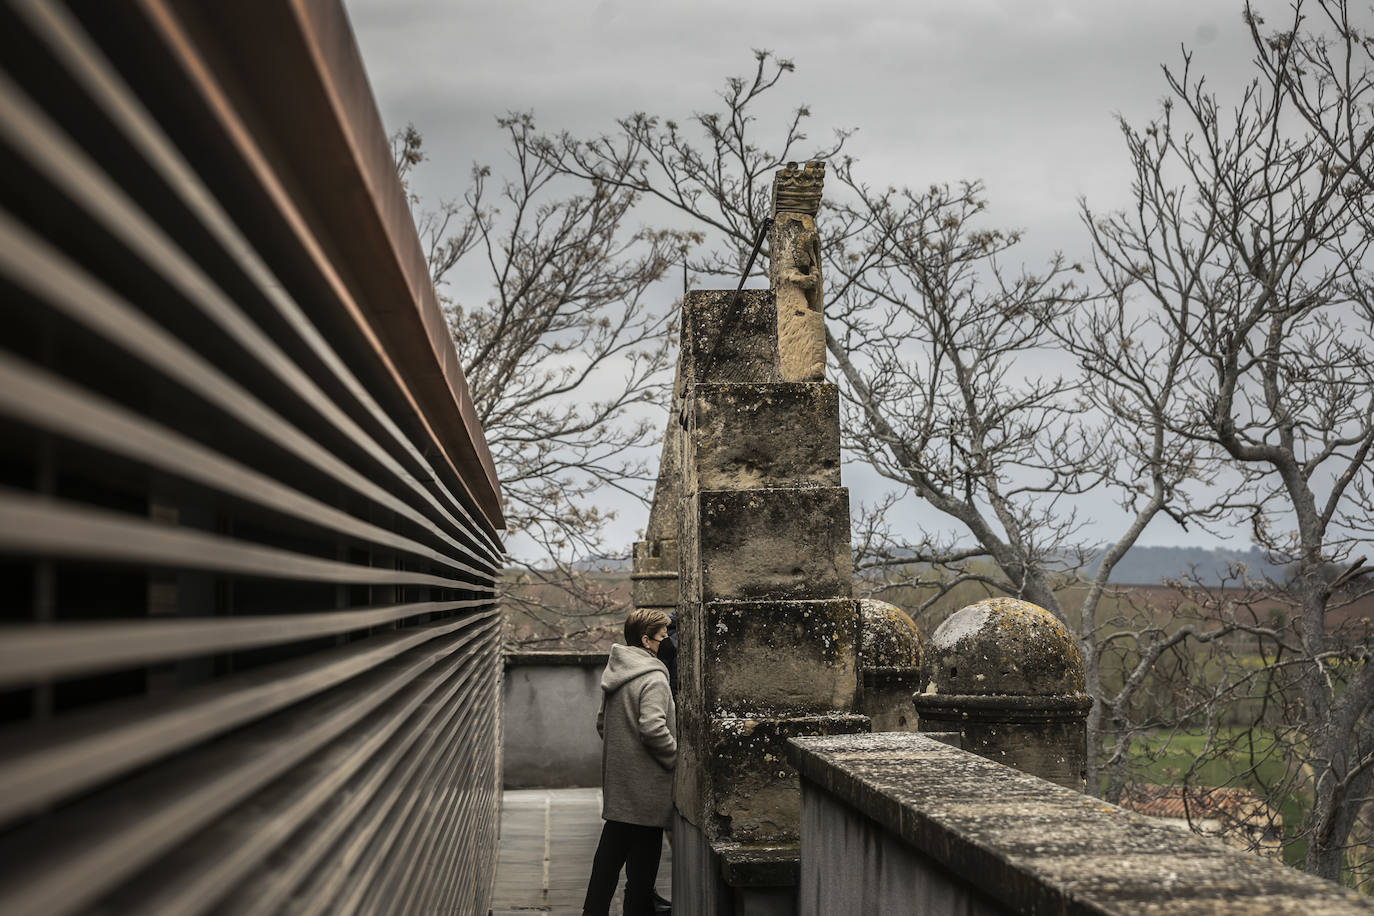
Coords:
249,526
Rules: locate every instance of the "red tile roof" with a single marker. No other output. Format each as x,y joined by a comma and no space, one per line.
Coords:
1200,802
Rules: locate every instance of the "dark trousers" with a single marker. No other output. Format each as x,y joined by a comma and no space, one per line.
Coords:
638,849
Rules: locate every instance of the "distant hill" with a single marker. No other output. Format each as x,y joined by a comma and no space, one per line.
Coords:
1152,565
604,565
1140,566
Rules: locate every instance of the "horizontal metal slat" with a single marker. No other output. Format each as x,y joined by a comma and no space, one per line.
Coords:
41,399
412,885
320,889
60,283
53,155
432,871
476,823
468,886
213,862
308,852
456,835
37,525
338,885
66,38
411,856
68,860
262,411
30,652
323,102
44,765
395,859
414,872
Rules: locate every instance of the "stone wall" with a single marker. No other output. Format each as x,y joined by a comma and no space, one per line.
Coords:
765,574
769,630
851,865
549,704
903,824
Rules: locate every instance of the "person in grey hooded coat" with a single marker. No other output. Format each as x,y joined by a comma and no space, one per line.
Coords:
638,726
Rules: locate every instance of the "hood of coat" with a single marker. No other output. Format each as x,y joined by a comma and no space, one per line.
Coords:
627,663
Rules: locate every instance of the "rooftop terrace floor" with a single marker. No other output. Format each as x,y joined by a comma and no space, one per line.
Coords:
548,838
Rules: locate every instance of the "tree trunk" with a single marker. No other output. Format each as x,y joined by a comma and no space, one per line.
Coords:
1093,681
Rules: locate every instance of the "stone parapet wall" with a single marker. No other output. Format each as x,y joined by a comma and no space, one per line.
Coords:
903,824
549,702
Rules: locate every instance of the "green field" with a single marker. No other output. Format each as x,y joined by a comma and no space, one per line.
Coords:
1166,757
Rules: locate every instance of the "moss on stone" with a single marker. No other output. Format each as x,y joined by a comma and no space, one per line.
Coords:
1003,646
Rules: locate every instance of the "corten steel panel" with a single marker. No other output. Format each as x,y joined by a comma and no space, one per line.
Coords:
284,86
338,164
249,527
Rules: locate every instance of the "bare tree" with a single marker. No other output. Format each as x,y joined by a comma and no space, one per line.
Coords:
961,391
1220,375
558,339
1245,256
720,182
937,343
951,361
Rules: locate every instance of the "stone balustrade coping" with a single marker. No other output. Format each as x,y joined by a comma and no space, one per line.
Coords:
555,657
1036,847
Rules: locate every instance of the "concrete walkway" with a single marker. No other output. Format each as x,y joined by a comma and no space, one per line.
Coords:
548,838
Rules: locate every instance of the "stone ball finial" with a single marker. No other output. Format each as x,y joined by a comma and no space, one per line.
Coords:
889,638
889,659
1002,646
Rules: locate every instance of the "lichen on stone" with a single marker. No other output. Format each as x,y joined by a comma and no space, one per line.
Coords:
889,638
1003,646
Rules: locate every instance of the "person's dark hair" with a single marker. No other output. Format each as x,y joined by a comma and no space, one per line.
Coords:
644,621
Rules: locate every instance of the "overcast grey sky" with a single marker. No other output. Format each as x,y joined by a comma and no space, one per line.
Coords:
1022,94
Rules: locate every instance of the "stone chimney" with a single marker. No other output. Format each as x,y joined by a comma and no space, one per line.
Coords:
769,630
1007,675
890,648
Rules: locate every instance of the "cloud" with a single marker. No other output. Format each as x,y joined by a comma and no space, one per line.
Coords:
1023,94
